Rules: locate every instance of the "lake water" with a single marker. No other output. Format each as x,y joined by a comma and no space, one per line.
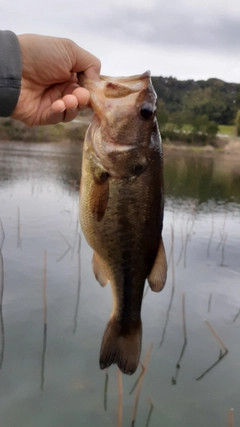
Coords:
51,328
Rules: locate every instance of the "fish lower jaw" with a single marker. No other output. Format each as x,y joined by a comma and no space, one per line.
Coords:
111,147
116,147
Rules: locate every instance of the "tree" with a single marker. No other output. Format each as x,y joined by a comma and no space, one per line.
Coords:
216,99
237,123
162,115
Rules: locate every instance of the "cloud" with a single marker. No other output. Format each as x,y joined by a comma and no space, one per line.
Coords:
186,39
171,26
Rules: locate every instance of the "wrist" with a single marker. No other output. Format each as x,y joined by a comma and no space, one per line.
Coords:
10,72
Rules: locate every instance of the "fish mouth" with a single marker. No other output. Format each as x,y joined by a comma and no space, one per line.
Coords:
82,79
113,146
109,146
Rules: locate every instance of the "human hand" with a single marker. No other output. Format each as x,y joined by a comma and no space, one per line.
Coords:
50,92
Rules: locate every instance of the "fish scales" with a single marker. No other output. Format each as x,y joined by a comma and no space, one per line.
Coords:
121,214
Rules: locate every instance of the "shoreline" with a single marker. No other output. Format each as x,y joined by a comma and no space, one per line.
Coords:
229,147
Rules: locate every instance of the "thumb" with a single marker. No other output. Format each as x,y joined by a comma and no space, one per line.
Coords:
85,62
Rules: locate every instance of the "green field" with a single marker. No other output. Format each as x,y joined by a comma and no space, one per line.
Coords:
222,129
226,130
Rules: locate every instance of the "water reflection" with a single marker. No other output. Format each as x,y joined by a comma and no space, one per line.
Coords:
179,361
78,286
187,175
2,339
171,265
26,161
222,354
44,347
216,178
39,208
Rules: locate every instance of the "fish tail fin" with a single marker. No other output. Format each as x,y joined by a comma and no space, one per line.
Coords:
121,344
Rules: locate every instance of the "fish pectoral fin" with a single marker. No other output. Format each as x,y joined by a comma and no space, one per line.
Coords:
158,274
80,187
98,270
99,196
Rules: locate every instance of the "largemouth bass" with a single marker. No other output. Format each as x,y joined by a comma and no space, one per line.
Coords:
121,206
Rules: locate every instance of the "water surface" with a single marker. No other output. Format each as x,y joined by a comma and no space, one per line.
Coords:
49,344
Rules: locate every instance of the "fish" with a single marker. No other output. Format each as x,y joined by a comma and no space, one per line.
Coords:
121,206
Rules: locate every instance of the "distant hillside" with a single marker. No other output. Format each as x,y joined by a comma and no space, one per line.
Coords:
181,101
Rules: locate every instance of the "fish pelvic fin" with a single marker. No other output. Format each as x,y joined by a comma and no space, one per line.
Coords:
121,345
98,270
158,275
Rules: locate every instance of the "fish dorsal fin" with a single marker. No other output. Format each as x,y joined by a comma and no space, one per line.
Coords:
158,275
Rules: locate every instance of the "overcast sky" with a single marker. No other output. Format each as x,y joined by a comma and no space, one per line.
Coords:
187,39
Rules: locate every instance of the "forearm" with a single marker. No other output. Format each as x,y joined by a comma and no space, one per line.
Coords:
10,72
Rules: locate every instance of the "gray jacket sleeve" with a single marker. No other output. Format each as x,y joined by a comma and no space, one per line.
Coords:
10,72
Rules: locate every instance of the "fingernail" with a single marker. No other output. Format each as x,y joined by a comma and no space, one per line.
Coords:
82,107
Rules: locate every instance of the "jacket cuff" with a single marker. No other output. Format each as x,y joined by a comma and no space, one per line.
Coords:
10,72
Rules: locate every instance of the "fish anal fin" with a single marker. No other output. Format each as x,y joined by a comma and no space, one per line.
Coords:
121,345
99,196
158,275
98,270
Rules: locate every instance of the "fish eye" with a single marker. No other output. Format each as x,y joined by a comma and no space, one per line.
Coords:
146,112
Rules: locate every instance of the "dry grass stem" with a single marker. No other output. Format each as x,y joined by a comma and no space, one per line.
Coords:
236,316
75,237
210,238
184,317
78,286
106,389
19,239
45,287
150,411
137,380
223,251
139,385
2,333
216,336
209,302
44,319
221,355
172,251
120,399
231,417
172,291
3,234
185,249
67,250
182,247
178,364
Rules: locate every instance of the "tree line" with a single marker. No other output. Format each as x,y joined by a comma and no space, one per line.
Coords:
193,110
189,111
